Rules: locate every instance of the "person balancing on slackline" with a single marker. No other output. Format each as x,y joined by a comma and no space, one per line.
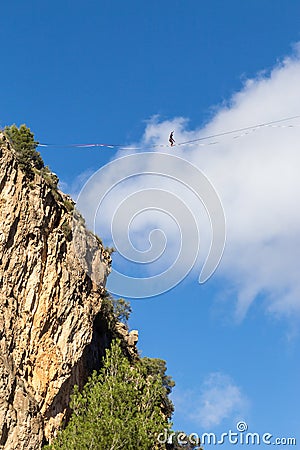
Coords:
171,139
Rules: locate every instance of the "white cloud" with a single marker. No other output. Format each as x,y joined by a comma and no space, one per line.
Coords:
257,178
218,399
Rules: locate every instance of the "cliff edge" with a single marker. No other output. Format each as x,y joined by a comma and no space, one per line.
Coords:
53,332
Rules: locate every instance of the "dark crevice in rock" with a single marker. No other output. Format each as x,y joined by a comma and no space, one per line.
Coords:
12,392
12,232
4,434
2,182
101,339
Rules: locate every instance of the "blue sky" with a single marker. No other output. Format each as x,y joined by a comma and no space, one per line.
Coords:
99,71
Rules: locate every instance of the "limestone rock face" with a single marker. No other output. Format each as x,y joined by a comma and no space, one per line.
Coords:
133,337
52,334
129,338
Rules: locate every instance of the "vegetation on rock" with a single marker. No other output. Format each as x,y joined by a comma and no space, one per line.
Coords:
28,158
67,230
121,309
23,142
115,310
118,408
157,367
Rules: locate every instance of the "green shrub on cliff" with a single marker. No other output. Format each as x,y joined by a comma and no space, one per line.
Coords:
119,408
29,159
50,177
23,142
157,367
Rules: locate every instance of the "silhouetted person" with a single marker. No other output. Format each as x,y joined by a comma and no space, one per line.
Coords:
171,139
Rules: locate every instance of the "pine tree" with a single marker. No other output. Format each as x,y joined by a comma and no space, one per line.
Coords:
23,142
119,408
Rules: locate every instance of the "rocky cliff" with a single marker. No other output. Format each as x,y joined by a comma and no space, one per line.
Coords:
53,331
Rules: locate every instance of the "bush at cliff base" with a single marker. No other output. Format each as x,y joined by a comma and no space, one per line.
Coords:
119,408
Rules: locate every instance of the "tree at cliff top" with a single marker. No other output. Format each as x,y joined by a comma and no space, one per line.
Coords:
28,158
119,408
23,142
